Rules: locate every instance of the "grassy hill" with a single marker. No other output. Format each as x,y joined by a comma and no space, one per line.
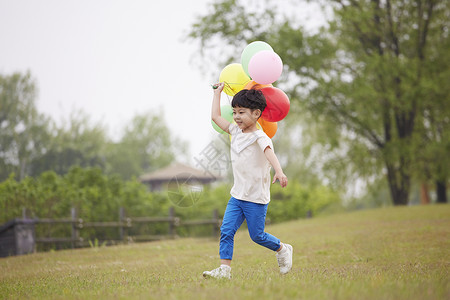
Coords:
392,253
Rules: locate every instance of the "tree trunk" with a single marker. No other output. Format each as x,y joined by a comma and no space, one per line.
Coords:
441,191
399,185
424,196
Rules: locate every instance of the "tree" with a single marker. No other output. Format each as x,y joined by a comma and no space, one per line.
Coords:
145,146
23,131
434,123
371,79
76,142
31,143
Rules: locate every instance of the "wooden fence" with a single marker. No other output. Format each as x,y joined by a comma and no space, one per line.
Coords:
124,226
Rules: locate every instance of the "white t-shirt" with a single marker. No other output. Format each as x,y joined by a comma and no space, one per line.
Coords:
251,169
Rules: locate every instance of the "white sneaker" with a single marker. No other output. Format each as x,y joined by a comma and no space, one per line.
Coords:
285,259
221,272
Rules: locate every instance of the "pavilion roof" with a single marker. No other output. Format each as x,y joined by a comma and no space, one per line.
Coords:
178,171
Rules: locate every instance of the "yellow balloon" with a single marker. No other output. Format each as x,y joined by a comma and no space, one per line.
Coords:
234,77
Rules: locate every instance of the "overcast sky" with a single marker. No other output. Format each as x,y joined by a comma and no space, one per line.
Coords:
112,59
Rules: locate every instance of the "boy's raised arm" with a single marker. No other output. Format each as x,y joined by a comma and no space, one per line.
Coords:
215,110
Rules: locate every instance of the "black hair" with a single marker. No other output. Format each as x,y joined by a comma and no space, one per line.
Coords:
253,99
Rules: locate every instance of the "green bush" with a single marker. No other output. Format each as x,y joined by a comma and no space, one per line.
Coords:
297,201
98,197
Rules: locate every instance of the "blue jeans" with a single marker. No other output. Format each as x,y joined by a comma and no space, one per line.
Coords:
255,214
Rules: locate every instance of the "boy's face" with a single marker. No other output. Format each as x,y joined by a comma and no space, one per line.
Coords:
246,118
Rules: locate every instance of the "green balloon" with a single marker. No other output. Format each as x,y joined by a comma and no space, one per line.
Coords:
251,50
226,111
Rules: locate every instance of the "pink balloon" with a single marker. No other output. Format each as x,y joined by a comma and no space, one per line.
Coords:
265,67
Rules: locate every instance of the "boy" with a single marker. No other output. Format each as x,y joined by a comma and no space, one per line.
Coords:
252,156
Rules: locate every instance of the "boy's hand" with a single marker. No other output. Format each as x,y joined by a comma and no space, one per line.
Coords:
281,178
218,87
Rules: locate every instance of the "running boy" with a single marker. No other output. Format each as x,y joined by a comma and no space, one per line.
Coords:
252,156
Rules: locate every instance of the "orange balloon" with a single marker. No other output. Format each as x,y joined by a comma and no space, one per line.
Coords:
270,128
256,86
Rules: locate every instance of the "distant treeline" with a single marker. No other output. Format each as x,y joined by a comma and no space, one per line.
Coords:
32,142
98,197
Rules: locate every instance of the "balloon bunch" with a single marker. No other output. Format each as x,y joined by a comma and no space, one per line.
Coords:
260,67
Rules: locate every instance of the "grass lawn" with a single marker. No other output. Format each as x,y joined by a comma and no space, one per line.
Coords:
390,253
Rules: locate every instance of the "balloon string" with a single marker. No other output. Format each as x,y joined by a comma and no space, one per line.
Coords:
227,86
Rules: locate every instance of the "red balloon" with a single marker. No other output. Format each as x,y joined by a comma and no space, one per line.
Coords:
277,104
